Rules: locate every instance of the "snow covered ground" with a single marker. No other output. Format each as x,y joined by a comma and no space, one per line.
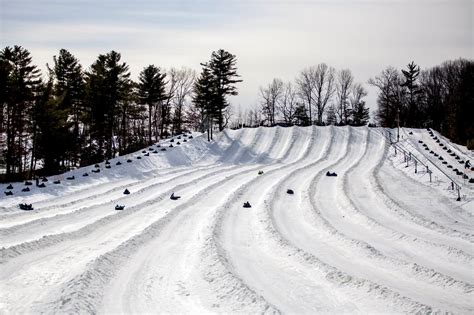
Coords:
378,238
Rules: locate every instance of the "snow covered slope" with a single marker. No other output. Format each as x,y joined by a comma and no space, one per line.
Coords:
378,238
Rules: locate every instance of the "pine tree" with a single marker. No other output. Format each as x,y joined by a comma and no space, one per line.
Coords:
108,85
204,98
151,91
412,108
22,80
223,68
69,87
360,114
301,115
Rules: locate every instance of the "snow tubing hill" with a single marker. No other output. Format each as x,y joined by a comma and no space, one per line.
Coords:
376,238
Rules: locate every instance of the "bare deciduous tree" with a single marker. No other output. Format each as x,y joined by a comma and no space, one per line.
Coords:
270,97
305,86
287,104
344,87
184,80
324,87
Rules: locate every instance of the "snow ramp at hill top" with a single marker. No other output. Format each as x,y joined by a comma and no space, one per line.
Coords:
376,238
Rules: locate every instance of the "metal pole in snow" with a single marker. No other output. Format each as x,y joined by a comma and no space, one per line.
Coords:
416,171
459,193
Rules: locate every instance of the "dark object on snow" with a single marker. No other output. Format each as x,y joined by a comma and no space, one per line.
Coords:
444,162
431,152
158,146
155,151
190,137
150,149
465,176
185,140
410,133
449,151
96,171
126,192
247,205
25,206
129,161
457,157
260,172
426,149
179,137
467,164
453,154
118,207
171,145
26,189
147,154
173,197
419,141
444,148
459,173
44,179
461,162
163,149
290,192
172,140
455,170
10,186
118,163
441,158
143,151
436,154
57,182
139,157
96,166
331,174
472,168
471,180
108,166
42,185
9,193
178,143
107,162
72,177
450,166
27,183
85,174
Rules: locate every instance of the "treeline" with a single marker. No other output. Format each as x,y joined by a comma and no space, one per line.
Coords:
441,98
319,95
72,117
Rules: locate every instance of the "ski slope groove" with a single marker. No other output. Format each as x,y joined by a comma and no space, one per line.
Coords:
378,238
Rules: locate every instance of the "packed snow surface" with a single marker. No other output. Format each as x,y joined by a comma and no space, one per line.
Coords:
376,238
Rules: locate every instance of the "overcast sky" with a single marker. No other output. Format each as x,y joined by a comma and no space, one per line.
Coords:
271,38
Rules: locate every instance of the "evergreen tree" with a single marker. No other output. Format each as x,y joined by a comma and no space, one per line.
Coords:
412,112
223,68
51,139
151,91
204,99
69,87
301,115
108,85
22,80
360,115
